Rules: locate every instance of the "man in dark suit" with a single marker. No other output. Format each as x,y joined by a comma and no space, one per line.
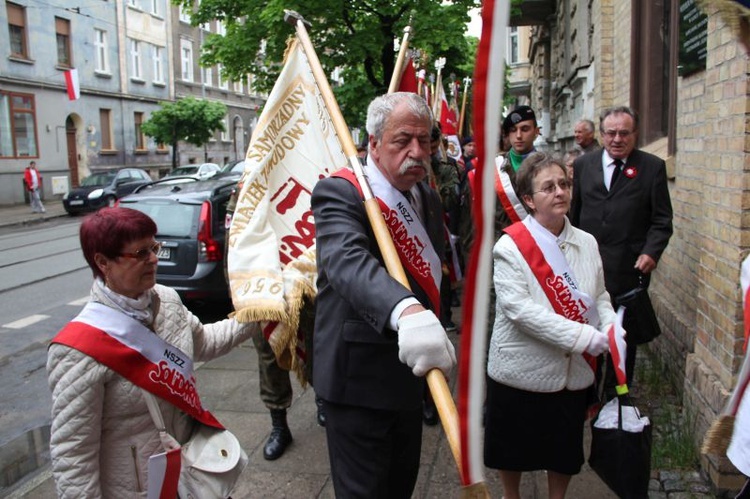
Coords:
375,339
620,196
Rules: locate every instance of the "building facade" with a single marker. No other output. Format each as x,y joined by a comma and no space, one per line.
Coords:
685,71
129,59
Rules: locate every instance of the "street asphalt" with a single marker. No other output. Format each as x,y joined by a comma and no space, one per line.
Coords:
229,387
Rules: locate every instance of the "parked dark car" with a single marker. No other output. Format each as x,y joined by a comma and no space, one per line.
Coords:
190,220
103,188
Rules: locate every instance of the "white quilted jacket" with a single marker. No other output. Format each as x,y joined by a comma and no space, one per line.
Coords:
102,433
532,347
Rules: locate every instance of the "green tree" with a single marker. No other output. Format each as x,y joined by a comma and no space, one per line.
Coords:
189,119
355,36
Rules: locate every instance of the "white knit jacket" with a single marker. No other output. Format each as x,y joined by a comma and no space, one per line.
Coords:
102,433
532,347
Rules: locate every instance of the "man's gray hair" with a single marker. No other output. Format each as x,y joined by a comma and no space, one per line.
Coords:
618,110
589,124
381,108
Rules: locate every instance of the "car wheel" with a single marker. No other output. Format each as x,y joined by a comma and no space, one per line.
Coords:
110,201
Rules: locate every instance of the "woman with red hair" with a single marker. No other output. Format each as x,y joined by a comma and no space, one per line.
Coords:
133,337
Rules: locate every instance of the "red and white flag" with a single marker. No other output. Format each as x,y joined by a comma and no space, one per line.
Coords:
488,88
271,258
72,85
448,124
408,82
618,350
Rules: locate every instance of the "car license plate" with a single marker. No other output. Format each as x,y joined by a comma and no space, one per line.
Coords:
164,254
76,202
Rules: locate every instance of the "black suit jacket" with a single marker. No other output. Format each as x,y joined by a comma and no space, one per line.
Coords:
355,352
634,218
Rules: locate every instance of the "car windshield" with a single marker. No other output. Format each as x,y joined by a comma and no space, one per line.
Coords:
98,179
238,168
184,170
172,219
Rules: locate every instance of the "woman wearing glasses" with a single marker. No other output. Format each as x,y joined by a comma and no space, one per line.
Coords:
551,314
133,336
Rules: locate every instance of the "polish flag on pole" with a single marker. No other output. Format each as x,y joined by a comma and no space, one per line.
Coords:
408,81
489,71
71,83
448,124
618,350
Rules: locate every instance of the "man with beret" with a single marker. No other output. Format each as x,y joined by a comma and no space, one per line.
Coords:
620,196
469,151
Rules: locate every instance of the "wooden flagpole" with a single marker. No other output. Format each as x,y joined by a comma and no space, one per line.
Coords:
436,381
398,69
467,82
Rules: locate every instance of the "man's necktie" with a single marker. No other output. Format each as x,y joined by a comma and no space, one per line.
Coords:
615,173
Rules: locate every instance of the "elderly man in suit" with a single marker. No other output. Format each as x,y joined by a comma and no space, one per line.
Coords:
621,197
374,338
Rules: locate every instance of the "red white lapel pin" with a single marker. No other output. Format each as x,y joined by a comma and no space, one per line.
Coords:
630,171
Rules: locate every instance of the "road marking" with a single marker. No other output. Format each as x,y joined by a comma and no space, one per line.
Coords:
79,301
26,321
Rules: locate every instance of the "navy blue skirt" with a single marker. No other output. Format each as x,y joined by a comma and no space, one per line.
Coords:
527,431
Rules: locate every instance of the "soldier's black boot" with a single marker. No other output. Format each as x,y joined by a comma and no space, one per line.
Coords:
280,436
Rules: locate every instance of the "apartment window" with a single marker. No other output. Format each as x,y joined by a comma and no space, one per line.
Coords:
62,31
513,45
134,3
186,51
105,125
223,84
17,30
135,59
220,28
184,15
18,137
653,92
208,76
140,138
249,84
155,7
158,64
225,132
238,87
101,51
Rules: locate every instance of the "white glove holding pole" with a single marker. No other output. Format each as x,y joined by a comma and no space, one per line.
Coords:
423,344
598,344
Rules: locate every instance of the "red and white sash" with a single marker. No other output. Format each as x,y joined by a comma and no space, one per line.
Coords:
413,245
133,351
506,194
548,264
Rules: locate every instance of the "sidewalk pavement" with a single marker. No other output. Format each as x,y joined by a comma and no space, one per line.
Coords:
20,214
229,387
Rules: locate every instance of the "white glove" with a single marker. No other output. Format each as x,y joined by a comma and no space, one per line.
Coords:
423,344
599,344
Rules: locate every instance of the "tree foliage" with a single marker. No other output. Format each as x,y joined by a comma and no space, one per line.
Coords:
189,119
355,36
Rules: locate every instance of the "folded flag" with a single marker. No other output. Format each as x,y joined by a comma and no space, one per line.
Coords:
72,85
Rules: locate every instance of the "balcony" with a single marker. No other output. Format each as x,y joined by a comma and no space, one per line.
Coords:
532,12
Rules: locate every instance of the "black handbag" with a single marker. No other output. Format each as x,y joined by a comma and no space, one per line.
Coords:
622,459
640,321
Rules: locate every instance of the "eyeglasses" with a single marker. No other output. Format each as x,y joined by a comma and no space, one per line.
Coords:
144,254
624,134
548,189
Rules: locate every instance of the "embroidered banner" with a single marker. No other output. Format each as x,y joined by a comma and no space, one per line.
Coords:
271,256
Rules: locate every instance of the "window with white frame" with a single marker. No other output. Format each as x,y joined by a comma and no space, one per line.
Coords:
249,83
238,86
220,28
186,56
225,132
513,57
136,67
158,59
134,3
101,51
208,76
17,126
184,15
155,7
223,84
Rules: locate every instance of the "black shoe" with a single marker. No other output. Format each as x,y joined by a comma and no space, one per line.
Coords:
280,436
450,327
429,414
321,417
